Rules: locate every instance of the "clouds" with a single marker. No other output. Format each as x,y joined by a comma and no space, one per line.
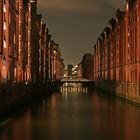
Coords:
78,5
76,24
66,5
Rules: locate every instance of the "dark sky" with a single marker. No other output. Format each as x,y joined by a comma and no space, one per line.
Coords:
76,24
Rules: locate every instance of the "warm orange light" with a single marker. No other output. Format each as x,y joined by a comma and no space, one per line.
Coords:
4,43
4,27
4,8
4,70
54,52
15,74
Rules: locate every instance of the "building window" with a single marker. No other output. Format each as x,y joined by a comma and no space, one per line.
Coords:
127,6
4,43
4,8
4,27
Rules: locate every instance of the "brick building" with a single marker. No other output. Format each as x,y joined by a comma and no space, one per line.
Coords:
87,66
14,41
34,44
116,54
58,64
25,44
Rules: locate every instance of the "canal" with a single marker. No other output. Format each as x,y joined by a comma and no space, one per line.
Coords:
74,114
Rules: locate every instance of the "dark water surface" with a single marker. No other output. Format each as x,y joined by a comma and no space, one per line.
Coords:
75,114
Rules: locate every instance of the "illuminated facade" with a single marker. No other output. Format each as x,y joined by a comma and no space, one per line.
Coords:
48,58
133,10
39,47
14,41
44,52
116,54
4,60
24,43
1,27
56,64
29,23
1,35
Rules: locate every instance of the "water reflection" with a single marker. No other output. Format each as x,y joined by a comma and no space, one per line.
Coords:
76,116
73,88
17,129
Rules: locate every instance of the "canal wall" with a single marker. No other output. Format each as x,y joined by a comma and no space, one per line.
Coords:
124,90
16,96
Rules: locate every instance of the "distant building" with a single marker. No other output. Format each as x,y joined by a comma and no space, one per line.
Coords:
70,67
58,64
48,64
80,70
87,66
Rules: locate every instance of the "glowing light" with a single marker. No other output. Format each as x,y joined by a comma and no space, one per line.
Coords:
127,7
4,8
15,71
4,26
4,70
54,52
66,84
5,44
32,1
26,83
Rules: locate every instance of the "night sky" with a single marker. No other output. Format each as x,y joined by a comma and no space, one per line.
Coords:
76,24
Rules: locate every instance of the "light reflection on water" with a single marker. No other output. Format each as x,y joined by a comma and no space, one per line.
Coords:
74,89
75,114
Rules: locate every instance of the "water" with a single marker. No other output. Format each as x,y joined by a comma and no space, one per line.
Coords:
74,114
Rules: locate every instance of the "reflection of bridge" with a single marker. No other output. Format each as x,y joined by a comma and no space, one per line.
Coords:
75,81
71,82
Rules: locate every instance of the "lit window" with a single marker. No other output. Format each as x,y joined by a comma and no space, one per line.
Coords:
4,26
127,7
4,8
4,43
